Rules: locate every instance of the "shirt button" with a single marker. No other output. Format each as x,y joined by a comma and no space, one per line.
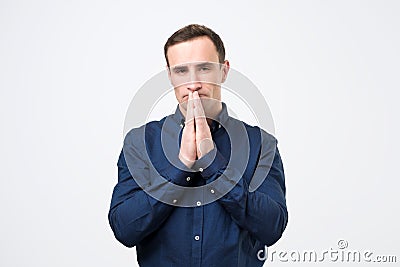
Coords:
212,191
181,125
174,201
198,203
200,169
188,178
197,238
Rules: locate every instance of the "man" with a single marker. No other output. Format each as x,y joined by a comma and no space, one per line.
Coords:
185,193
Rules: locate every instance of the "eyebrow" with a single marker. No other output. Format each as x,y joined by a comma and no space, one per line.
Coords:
177,69
205,64
181,67
200,64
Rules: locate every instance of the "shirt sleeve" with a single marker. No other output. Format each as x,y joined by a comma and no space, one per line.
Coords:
133,213
262,212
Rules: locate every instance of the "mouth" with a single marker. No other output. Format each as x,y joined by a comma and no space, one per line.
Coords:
185,97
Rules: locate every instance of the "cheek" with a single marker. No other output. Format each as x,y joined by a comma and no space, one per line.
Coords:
213,90
179,94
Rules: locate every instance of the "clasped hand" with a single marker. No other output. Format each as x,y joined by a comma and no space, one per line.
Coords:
196,136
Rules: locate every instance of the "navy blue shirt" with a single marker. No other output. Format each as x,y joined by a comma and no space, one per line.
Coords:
221,212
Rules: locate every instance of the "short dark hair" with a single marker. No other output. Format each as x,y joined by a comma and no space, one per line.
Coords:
193,31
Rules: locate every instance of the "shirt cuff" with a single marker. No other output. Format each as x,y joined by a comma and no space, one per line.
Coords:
211,163
179,174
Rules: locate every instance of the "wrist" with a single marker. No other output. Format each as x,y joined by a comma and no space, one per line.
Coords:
188,162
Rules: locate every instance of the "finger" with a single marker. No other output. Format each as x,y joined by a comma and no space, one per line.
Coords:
200,118
189,120
204,140
188,150
198,106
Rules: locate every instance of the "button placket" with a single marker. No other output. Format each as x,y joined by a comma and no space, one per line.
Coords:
198,214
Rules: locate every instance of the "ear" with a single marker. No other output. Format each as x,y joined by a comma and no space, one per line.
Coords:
169,73
225,70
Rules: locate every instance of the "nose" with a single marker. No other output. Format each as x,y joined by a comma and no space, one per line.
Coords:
193,83
193,86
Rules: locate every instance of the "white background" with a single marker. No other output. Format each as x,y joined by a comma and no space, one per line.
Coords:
69,69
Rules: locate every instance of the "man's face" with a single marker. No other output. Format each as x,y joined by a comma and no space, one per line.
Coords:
194,66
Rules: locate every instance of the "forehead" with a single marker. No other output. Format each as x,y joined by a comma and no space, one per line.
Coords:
198,49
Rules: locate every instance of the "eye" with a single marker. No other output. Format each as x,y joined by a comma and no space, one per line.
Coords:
180,70
204,68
